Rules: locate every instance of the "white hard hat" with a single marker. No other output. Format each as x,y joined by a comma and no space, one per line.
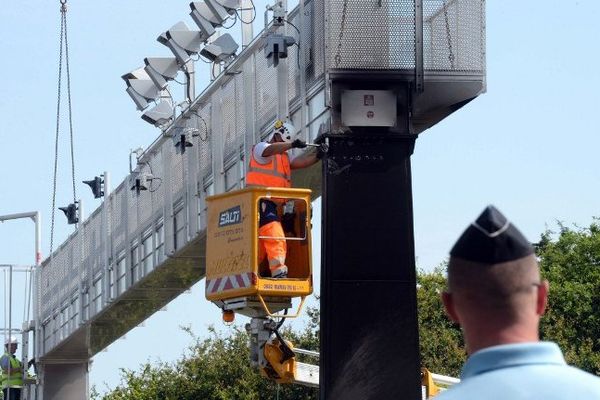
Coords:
11,339
286,130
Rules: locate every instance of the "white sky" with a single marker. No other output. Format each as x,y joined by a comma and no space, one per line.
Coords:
529,145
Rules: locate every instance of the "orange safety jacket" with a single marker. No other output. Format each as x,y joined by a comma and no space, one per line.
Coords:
276,173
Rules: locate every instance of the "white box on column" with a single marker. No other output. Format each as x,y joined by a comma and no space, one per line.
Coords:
368,108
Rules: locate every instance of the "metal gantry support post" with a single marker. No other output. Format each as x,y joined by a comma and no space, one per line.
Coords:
107,240
369,326
283,111
168,204
29,325
191,180
419,72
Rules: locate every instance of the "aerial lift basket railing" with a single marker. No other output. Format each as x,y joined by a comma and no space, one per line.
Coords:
237,274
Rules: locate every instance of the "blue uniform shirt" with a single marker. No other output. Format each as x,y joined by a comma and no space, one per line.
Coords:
522,371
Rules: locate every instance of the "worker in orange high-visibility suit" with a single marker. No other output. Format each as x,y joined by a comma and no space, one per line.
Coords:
270,165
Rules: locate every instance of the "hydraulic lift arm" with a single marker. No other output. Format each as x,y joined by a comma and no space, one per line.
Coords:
275,358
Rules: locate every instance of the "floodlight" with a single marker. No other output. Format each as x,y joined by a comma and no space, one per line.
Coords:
141,88
220,11
160,115
96,186
71,213
231,5
210,14
204,18
276,48
221,49
161,70
142,182
182,41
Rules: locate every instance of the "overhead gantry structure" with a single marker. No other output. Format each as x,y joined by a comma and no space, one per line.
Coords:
141,248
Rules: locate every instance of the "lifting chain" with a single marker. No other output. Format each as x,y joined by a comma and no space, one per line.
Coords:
63,44
448,36
338,54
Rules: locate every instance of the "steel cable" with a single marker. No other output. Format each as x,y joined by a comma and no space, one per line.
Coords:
64,17
60,56
63,45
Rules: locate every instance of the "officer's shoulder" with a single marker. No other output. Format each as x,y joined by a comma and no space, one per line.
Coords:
578,376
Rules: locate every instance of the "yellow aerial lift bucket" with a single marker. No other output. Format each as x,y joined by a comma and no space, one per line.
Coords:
236,279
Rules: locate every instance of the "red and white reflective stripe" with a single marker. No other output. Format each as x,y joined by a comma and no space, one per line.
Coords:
240,281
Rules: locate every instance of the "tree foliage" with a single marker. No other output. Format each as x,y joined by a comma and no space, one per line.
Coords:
570,261
218,367
441,342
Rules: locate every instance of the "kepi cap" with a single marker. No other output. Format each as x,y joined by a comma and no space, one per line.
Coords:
491,239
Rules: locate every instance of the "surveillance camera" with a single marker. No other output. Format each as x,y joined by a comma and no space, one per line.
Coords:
142,182
276,47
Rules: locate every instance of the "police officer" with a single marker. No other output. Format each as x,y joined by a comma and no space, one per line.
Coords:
497,296
12,371
271,165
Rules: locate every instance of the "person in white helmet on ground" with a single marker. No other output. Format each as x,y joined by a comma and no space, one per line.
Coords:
12,370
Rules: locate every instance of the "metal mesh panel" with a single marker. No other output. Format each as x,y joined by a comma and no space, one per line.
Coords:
228,119
204,144
93,242
117,214
52,276
314,31
240,111
366,34
176,173
76,270
158,188
293,66
143,203
453,35
311,45
132,215
266,91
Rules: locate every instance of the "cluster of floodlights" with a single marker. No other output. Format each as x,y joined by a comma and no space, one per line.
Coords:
149,84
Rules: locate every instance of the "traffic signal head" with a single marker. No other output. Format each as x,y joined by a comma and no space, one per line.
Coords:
71,213
96,186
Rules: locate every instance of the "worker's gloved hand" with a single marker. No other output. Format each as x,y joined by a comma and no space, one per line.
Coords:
298,144
322,151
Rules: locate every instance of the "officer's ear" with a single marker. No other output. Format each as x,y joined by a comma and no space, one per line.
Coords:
542,297
448,301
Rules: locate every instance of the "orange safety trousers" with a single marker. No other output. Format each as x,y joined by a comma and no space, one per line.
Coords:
275,249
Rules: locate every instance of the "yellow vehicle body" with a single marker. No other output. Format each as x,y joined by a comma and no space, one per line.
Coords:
232,266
